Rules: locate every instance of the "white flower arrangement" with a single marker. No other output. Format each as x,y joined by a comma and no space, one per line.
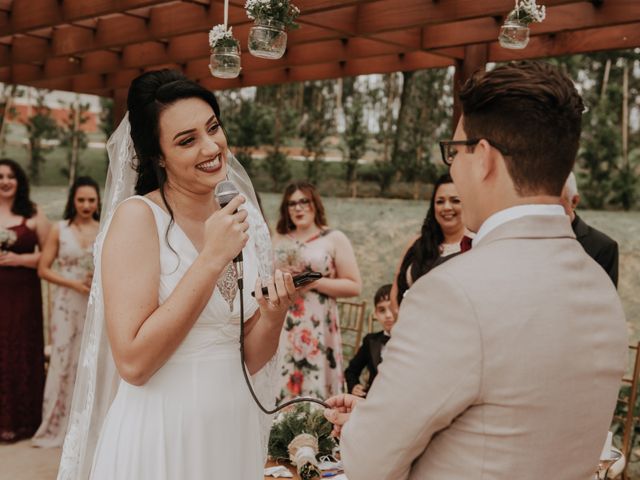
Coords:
7,238
280,10
219,36
527,11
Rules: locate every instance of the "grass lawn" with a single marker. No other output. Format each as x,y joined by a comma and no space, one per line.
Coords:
380,228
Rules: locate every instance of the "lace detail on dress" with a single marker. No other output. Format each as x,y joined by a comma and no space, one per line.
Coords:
228,284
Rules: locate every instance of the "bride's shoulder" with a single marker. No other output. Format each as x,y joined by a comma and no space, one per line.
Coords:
136,206
133,215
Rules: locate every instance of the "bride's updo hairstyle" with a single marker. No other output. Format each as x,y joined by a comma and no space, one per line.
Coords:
149,95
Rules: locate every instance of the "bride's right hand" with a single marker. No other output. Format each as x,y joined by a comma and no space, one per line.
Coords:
225,232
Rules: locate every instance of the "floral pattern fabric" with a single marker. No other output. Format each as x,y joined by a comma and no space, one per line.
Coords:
310,342
69,308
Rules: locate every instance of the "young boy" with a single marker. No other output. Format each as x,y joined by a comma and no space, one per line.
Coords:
370,353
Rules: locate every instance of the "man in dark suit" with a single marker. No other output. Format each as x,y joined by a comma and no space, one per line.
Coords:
602,248
369,355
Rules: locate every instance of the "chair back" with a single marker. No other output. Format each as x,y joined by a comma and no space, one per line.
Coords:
372,324
351,315
626,415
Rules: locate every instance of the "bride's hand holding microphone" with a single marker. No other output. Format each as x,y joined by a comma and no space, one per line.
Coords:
225,233
225,236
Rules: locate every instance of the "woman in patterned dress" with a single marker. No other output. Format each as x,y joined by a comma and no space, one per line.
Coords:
71,244
21,336
311,340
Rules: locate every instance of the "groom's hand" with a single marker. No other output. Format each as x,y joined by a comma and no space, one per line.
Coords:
340,410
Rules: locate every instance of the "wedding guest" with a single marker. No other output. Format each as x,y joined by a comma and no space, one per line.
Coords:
161,390
311,338
23,229
602,248
442,235
370,354
70,244
491,369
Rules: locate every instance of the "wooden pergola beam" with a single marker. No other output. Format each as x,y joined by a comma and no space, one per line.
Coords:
100,45
376,17
152,54
28,15
565,43
383,64
171,22
117,70
560,18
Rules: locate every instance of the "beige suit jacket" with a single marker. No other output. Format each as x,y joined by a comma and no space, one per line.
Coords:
505,363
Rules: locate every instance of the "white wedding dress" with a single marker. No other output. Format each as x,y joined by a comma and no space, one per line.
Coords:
195,418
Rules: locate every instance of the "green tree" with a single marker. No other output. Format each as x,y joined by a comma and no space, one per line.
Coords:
41,127
383,100
106,123
354,139
601,163
8,93
280,102
249,126
316,125
425,108
72,135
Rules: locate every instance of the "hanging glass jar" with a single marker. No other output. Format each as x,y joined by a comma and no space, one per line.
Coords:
267,39
514,34
225,61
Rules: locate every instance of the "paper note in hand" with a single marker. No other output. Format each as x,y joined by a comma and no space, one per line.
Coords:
278,472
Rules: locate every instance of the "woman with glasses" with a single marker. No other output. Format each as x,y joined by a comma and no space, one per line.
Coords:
311,339
441,236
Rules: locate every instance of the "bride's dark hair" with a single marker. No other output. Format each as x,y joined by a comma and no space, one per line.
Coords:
149,95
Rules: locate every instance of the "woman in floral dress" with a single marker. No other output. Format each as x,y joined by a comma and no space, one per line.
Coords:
311,340
71,244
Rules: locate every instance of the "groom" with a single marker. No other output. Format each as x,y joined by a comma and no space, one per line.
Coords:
505,362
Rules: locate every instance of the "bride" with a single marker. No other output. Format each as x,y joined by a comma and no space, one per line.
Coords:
160,392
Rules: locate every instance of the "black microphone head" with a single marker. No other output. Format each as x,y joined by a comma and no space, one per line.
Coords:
225,192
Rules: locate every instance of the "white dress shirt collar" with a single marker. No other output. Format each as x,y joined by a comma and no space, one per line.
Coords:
512,213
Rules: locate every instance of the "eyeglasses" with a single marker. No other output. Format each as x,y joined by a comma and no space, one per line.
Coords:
303,202
448,150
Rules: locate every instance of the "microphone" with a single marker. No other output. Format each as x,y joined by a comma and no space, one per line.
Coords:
225,192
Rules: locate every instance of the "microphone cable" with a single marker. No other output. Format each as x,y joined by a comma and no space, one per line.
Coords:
225,191
246,375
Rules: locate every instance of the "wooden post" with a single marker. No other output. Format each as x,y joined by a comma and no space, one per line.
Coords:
475,58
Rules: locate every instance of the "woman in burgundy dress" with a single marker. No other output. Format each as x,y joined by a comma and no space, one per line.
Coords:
23,227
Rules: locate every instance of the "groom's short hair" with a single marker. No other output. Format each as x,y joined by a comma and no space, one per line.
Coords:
534,111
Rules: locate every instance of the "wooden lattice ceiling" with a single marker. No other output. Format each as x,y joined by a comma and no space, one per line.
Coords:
98,46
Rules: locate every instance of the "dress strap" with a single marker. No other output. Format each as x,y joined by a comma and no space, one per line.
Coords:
321,233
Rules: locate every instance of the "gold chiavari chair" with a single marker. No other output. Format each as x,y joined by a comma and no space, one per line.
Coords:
626,416
351,315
